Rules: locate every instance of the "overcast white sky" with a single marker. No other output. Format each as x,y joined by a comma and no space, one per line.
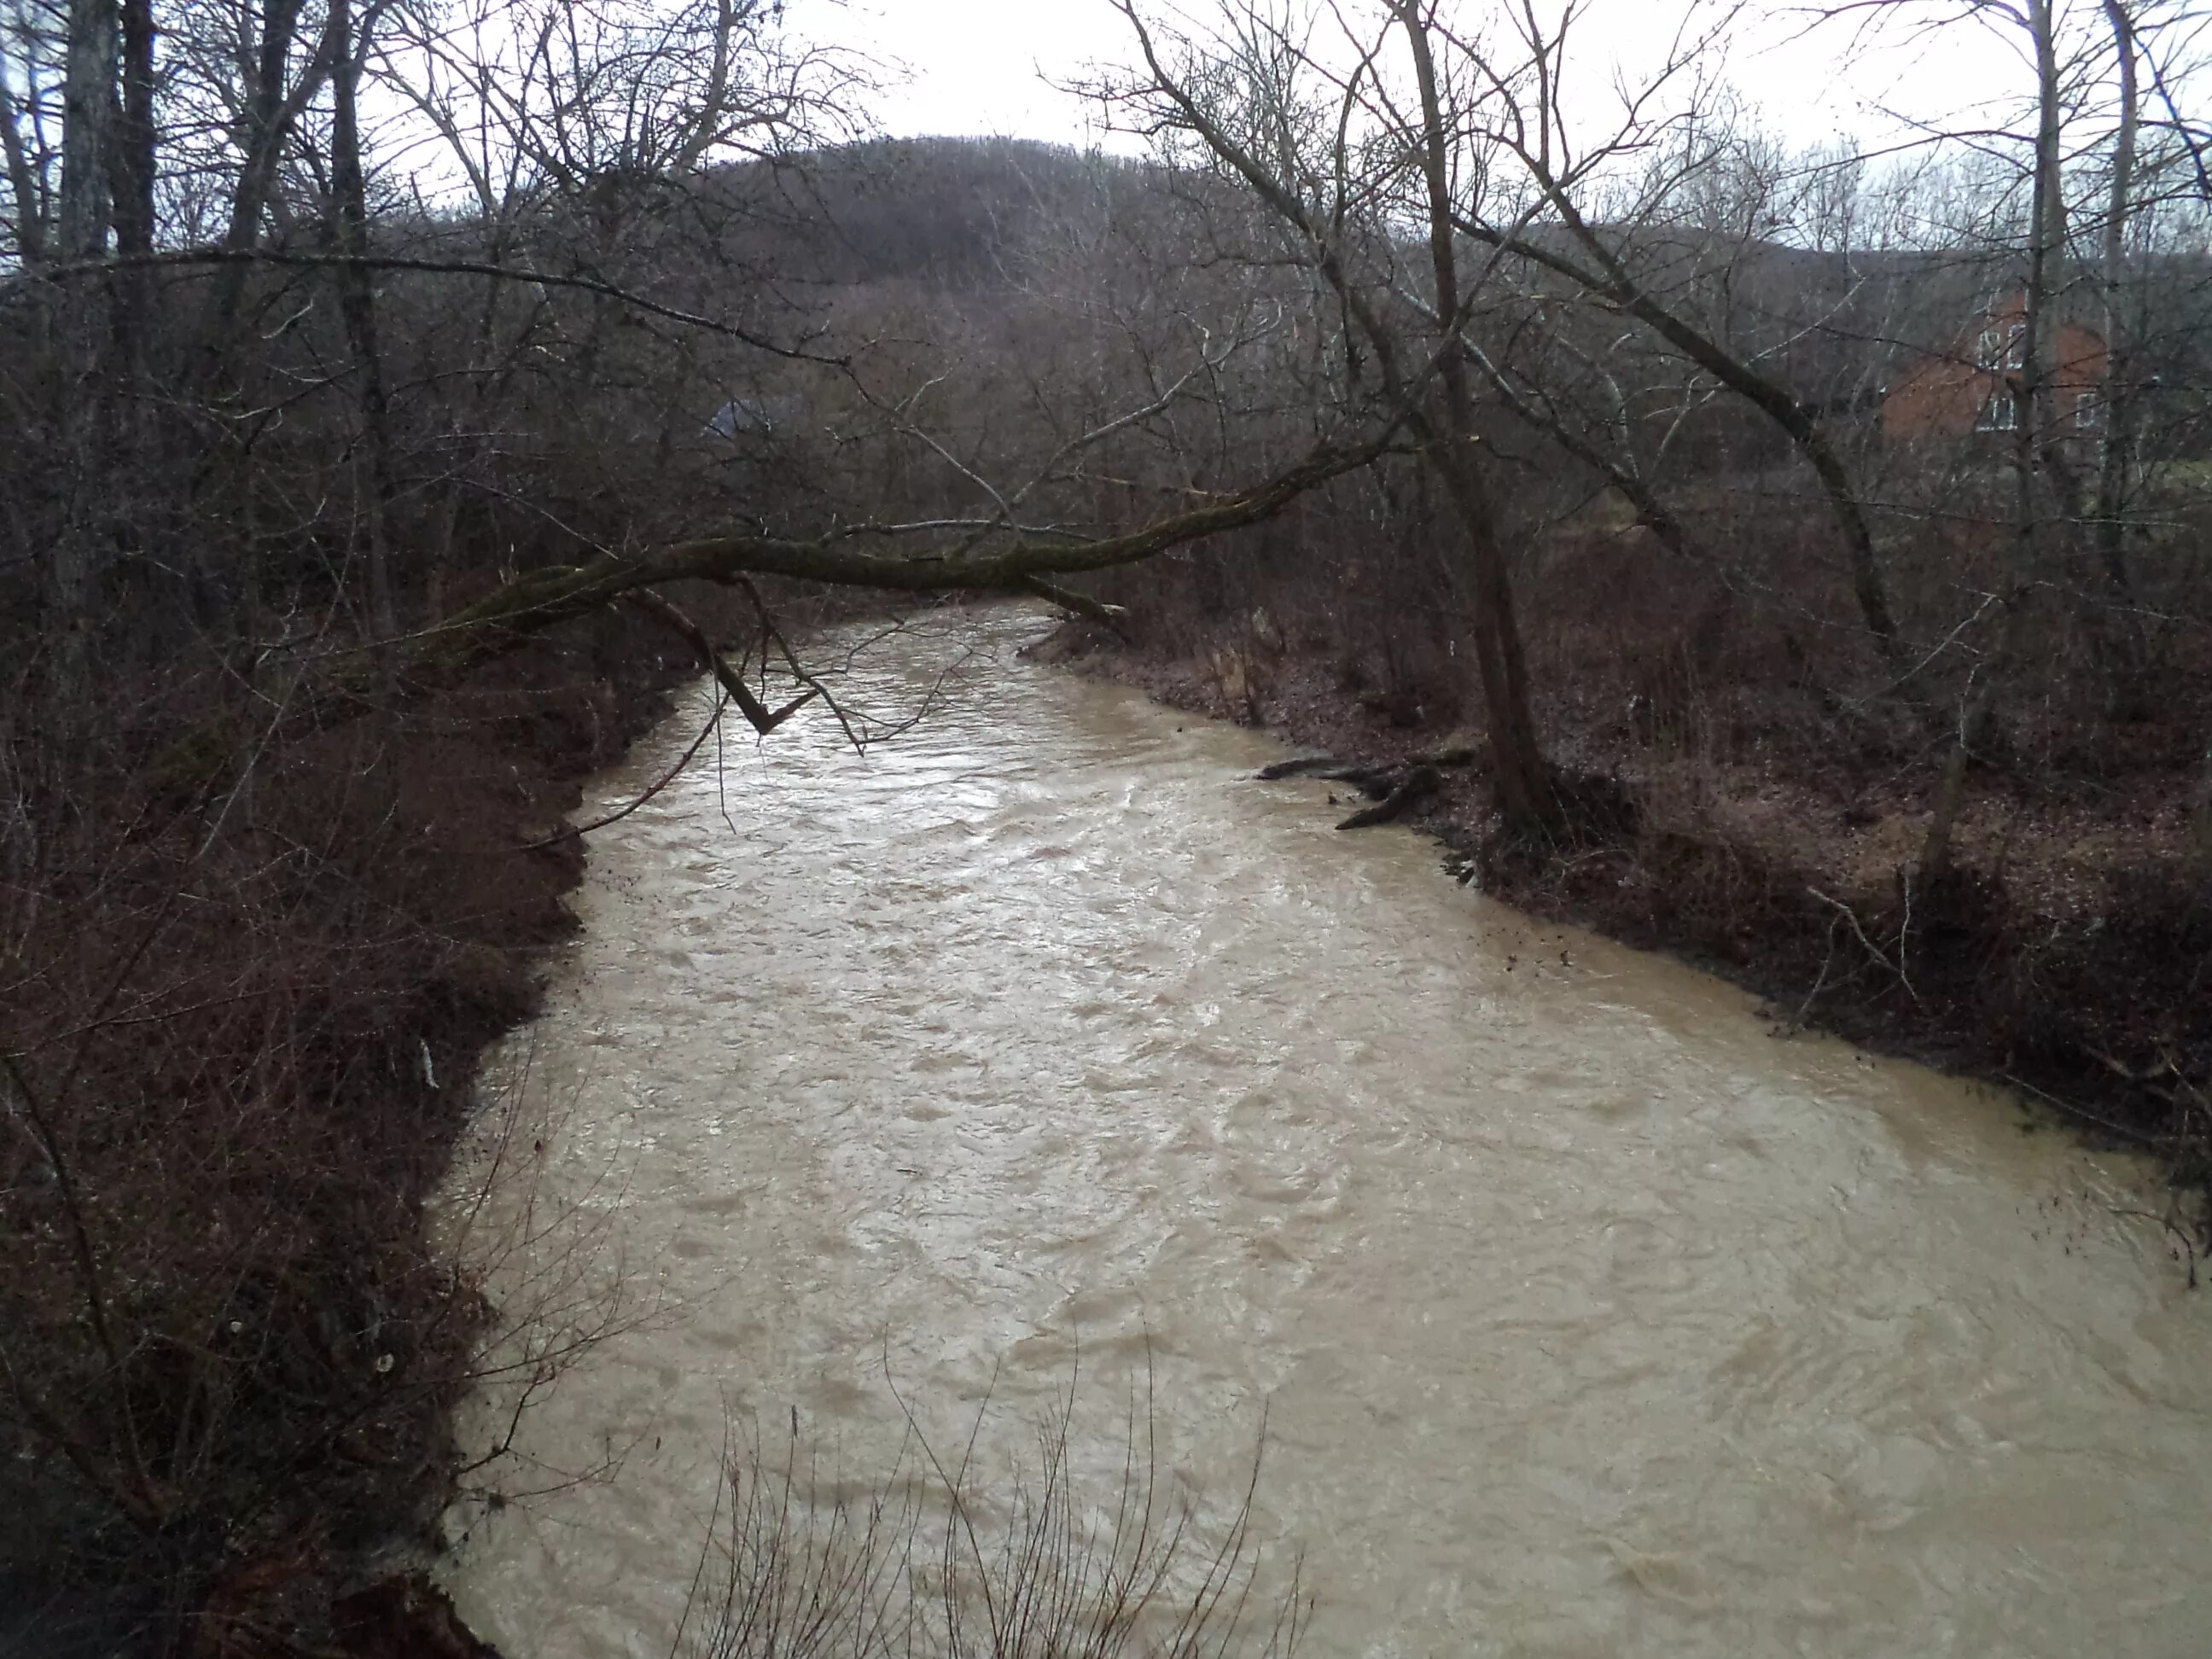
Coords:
982,66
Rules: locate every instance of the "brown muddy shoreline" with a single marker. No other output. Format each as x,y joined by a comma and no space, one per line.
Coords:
578,729
2101,1012
590,691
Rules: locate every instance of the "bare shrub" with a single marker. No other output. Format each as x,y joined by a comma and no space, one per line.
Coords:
931,1560
550,1263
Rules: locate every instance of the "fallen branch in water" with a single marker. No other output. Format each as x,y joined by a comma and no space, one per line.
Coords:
1113,617
1304,766
530,604
1373,781
1421,782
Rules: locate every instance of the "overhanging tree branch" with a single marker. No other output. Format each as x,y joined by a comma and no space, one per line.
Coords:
762,717
1613,284
542,599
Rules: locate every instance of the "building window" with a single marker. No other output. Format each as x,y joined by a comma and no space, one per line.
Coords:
2002,349
2000,410
2089,413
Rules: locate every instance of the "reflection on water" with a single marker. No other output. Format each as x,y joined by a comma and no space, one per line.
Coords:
1588,1317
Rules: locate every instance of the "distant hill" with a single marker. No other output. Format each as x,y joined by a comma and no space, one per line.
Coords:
956,212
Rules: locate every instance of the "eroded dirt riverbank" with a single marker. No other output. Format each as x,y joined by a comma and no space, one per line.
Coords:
2066,960
1586,1316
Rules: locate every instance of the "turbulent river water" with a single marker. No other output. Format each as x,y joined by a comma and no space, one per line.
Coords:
1584,1315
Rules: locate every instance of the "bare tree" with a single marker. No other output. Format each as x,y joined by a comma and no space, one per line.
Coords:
1254,100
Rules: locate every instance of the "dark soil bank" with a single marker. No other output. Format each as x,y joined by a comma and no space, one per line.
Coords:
2071,963
237,1443
316,1003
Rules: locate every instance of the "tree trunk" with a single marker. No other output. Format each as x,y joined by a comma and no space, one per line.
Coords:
357,305
1518,770
1977,715
2116,434
266,117
131,163
82,219
24,188
1951,787
2035,436
2197,857
131,157
89,119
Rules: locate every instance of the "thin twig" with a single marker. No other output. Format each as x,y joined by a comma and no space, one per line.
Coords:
2137,1136
721,702
1797,1024
1871,949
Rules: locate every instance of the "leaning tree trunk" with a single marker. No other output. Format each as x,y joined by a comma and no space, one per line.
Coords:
1613,284
1523,778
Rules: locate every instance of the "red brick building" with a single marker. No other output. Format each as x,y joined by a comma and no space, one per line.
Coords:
1975,386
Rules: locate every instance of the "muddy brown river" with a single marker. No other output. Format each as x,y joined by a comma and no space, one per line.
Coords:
1585,1315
